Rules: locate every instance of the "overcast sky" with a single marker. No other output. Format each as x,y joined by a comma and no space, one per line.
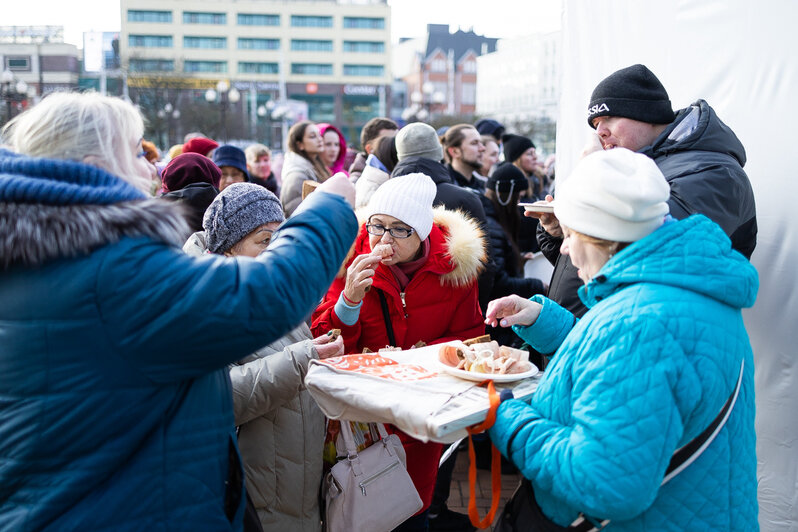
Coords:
494,18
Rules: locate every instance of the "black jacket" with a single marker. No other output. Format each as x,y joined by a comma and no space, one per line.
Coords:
703,160
564,282
453,197
509,275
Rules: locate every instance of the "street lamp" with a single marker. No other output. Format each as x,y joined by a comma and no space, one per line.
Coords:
170,114
13,93
225,94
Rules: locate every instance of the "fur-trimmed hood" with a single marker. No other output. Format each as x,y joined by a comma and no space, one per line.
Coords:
33,234
464,244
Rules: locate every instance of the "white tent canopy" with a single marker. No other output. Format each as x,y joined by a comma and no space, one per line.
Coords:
740,56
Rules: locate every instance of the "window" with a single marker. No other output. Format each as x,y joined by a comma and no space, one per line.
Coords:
136,15
469,94
149,41
205,42
245,43
194,17
18,63
366,23
151,65
319,69
303,45
364,70
321,107
470,67
205,66
368,47
307,21
359,109
257,68
248,19
438,65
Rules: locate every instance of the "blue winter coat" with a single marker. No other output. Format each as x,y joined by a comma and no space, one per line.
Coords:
115,402
642,373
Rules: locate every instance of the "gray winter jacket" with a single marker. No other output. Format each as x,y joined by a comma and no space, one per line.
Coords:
281,430
281,433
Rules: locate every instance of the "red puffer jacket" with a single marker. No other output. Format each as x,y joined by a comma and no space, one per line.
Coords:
440,304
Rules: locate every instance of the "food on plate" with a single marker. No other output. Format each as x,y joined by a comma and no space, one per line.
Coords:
478,340
485,357
388,349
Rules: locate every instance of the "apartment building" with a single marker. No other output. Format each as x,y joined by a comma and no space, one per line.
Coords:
333,55
439,72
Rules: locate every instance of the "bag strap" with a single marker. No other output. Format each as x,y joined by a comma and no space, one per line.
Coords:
495,465
684,456
387,316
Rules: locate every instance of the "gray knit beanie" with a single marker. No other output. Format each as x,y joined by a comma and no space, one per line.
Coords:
237,211
418,140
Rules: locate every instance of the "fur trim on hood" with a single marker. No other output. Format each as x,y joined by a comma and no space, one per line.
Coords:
34,234
465,245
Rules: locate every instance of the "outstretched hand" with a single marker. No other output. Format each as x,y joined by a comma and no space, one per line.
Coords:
340,185
548,221
512,310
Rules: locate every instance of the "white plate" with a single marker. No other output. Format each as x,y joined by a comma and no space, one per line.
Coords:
538,206
479,377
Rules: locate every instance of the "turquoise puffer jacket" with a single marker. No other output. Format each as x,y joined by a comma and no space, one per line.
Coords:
641,374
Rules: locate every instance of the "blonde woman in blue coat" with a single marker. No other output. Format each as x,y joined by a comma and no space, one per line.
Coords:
645,371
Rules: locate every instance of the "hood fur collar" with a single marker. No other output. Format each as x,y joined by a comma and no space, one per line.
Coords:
465,245
34,234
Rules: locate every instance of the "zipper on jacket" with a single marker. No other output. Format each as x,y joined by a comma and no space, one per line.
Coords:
404,304
377,475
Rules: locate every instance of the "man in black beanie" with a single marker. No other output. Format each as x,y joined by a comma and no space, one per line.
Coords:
700,156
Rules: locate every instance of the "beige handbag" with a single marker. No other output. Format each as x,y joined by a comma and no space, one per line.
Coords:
370,491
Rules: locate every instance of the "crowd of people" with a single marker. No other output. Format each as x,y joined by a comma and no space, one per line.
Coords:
159,314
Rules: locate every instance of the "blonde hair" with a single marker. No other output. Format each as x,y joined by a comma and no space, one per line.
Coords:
255,152
84,127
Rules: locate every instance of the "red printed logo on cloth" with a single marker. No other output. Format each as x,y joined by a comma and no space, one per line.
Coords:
379,366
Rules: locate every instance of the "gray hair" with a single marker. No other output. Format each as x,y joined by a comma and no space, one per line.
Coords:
84,127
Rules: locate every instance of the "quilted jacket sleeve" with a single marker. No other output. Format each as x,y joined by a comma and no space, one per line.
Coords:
269,381
550,329
174,317
325,319
609,456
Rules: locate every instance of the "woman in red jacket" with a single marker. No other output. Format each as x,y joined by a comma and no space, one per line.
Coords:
425,263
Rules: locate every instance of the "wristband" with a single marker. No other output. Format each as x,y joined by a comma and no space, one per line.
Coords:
348,301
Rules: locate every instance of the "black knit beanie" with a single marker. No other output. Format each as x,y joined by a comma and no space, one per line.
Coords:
632,92
507,178
515,146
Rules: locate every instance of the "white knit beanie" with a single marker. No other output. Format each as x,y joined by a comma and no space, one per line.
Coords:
418,140
407,198
615,195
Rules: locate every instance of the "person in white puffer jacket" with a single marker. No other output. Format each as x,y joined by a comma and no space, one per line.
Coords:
280,428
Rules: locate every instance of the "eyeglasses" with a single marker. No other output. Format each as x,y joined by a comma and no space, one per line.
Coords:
396,232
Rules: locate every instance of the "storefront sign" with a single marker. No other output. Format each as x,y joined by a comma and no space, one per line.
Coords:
360,90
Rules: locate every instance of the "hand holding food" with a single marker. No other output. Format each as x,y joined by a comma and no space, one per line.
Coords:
328,346
511,310
383,251
359,277
548,221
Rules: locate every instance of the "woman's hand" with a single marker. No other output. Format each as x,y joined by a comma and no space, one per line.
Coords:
360,277
512,310
327,348
339,184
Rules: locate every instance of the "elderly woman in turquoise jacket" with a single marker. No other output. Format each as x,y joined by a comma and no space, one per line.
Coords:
116,410
645,371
